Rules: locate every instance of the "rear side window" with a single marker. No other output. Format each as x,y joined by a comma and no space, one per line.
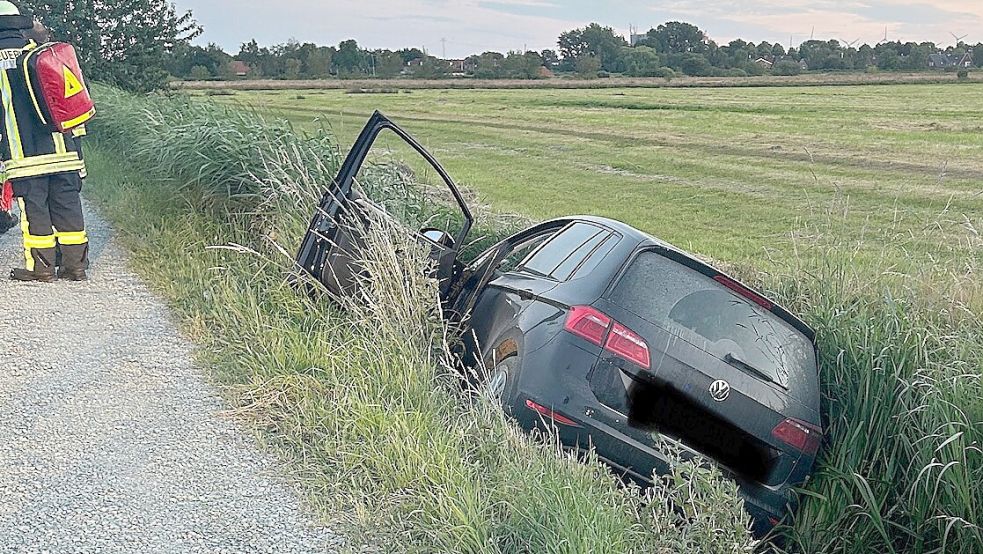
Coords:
561,257
709,316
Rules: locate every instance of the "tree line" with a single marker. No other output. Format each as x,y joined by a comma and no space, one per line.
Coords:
141,44
667,50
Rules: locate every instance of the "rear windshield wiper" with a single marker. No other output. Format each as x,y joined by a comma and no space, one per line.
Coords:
748,368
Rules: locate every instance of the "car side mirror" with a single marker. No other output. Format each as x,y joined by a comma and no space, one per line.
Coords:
439,237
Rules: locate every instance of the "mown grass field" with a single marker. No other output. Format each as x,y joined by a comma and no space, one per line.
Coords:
862,218
735,174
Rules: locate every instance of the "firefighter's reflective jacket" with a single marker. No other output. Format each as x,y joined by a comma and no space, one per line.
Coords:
28,147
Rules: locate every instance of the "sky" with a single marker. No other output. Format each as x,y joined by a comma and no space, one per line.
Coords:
457,28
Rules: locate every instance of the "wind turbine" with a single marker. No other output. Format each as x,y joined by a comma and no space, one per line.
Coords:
885,37
849,45
958,38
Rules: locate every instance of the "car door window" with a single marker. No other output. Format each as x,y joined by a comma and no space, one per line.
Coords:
522,251
405,185
560,257
566,270
595,258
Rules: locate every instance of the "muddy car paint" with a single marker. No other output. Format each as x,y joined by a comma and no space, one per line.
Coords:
518,299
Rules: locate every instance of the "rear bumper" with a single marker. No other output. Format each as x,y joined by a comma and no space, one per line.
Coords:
567,392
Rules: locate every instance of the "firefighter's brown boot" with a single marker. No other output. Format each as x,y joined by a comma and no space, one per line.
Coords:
75,274
41,276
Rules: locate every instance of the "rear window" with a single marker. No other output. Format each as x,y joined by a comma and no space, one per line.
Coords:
709,316
564,254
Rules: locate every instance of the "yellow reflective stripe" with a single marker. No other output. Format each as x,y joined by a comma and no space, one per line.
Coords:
79,120
43,159
60,147
10,118
48,169
25,230
39,241
30,87
72,238
79,131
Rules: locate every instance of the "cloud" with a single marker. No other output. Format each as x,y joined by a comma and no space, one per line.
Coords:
827,19
471,26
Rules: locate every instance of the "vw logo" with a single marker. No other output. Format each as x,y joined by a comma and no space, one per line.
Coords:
720,390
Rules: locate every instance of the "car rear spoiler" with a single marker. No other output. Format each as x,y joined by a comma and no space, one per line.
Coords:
739,288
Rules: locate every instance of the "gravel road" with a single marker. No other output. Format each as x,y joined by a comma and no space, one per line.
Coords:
111,440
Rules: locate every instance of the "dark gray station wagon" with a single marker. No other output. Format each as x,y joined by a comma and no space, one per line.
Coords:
613,337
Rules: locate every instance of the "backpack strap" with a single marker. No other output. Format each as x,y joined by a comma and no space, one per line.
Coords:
30,50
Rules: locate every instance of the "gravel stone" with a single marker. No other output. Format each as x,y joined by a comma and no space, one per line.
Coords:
111,439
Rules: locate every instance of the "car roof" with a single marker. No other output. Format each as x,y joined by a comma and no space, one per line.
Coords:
629,232
645,239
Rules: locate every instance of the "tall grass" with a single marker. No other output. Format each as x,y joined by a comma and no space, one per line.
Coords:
369,401
902,383
364,400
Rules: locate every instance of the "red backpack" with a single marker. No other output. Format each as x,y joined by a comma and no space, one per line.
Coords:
57,88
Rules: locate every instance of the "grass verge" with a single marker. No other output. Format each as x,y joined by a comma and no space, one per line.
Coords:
364,399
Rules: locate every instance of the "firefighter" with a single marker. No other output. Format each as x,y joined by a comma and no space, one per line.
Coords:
44,167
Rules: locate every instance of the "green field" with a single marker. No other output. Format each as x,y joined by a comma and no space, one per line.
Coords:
864,219
735,174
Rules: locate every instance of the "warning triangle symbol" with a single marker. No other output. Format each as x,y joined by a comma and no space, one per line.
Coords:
72,84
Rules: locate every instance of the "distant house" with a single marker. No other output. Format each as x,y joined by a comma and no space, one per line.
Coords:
938,61
457,67
411,66
240,68
764,62
804,65
942,60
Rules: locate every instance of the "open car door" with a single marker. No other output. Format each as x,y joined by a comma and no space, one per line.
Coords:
330,249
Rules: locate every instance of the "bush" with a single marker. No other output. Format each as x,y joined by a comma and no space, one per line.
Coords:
786,68
588,67
963,75
665,72
200,73
695,65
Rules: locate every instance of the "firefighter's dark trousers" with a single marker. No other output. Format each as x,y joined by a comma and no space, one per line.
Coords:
51,215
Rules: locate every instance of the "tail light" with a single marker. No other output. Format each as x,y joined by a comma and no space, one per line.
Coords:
588,323
550,414
799,435
596,327
623,342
